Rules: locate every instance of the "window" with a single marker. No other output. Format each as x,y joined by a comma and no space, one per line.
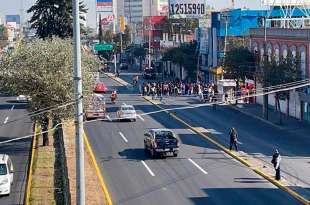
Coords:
164,135
3,169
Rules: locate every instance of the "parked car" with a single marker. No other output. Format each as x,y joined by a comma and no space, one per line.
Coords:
6,174
161,142
127,112
96,107
100,88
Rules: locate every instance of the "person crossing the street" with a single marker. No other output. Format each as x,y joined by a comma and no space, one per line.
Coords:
233,138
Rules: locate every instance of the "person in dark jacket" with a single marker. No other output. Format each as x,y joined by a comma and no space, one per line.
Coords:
276,159
233,138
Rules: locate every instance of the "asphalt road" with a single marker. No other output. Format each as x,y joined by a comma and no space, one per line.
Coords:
19,150
201,174
257,138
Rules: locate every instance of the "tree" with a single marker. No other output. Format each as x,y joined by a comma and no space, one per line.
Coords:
108,36
282,72
3,36
43,70
185,56
239,64
53,18
139,52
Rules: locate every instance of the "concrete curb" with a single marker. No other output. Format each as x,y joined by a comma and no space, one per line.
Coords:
256,117
98,171
232,154
29,175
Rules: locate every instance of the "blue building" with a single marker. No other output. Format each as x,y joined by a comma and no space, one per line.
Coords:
239,21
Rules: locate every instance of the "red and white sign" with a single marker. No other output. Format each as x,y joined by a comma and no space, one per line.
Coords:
107,20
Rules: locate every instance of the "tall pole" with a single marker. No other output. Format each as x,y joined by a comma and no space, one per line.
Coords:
79,143
150,34
265,98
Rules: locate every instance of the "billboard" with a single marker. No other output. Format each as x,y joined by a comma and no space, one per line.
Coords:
286,2
187,8
104,5
12,18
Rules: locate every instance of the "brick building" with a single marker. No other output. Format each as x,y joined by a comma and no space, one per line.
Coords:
279,42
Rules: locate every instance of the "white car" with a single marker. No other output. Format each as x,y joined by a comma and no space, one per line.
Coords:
6,174
22,99
127,112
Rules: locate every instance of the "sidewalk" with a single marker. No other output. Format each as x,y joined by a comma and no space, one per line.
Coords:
289,123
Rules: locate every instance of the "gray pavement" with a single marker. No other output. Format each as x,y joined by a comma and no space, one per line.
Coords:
201,174
19,150
258,137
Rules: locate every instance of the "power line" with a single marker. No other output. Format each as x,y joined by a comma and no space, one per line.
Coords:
284,88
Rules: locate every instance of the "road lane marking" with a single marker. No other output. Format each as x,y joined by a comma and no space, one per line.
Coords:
108,117
123,136
148,169
140,117
12,107
6,120
196,165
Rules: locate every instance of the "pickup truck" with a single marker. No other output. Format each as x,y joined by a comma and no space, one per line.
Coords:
95,107
161,142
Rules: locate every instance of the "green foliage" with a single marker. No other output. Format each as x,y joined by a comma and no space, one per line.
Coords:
239,64
53,18
3,36
285,71
139,52
43,70
185,56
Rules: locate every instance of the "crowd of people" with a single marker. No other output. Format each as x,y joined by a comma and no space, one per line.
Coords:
178,88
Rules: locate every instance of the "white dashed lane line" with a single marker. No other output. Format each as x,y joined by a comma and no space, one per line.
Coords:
147,168
140,117
6,120
196,165
12,107
108,117
123,136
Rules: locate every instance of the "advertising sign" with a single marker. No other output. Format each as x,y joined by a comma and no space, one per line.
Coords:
187,8
104,5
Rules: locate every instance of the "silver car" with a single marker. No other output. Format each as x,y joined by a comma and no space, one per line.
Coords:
127,112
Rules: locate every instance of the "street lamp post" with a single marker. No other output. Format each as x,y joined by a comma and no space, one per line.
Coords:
79,143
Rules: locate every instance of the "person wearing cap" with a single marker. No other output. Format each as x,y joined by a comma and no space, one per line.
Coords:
276,159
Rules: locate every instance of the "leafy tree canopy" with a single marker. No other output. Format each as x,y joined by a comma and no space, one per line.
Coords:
239,64
43,70
53,18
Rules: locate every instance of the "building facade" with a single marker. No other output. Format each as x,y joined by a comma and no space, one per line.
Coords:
279,42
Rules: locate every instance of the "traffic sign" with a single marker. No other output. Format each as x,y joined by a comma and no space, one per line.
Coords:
103,47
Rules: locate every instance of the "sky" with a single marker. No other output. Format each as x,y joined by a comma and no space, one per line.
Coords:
16,7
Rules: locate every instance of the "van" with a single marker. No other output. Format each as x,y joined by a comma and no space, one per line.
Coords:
6,174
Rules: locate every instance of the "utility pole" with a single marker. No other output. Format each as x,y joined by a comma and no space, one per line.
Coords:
150,34
114,31
79,143
265,98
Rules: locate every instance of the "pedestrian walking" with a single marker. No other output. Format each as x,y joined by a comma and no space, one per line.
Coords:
276,159
233,138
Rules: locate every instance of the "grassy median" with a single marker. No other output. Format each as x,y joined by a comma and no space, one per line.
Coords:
46,183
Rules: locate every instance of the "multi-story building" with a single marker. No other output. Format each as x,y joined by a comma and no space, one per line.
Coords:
133,11
279,42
